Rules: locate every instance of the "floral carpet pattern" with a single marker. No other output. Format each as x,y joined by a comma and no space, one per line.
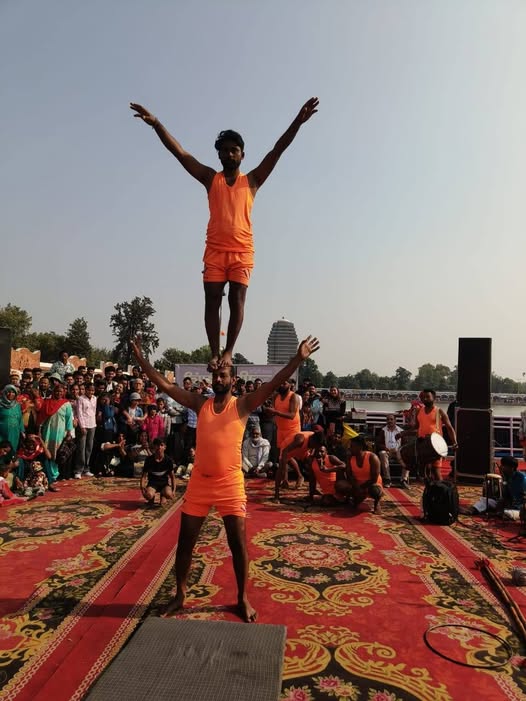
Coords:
356,591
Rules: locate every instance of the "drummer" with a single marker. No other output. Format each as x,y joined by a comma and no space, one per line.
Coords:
431,419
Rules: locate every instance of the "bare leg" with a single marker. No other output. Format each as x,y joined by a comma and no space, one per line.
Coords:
149,495
299,479
166,495
237,541
236,301
188,534
213,298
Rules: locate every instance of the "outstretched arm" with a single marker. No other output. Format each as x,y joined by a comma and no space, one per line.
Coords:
197,170
249,402
192,400
258,176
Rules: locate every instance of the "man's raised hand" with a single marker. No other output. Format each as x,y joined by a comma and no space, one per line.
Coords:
308,109
136,346
307,347
143,113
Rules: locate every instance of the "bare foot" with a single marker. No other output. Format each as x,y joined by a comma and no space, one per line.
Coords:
285,484
377,509
300,482
213,363
276,499
226,360
175,605
246,612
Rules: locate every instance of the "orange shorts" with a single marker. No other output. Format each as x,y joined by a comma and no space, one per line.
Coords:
227,494
227,266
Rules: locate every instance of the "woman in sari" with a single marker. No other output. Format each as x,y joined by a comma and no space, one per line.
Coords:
11,424
55,421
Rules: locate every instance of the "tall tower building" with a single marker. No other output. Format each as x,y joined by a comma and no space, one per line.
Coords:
282,342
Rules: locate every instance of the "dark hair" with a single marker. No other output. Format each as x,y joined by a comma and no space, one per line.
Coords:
188,378
158,441
318,438
431,391
360,441
508,461
6,444
229,135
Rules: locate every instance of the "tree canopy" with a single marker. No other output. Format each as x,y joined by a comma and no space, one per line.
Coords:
18,321
132,319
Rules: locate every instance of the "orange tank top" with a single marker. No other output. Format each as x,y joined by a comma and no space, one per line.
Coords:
326,480
363,473
286,426
229,226
302,452
218,440
429,423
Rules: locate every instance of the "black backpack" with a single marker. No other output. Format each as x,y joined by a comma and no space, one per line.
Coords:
440,503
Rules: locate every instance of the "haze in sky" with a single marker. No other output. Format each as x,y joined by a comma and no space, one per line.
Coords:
393,224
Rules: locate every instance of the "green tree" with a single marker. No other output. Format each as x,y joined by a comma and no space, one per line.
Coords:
132,319
309,370
18,320
170,358
365,379
402,378
201,354
347,382
77,338
48,343
330,379
98,355
239,359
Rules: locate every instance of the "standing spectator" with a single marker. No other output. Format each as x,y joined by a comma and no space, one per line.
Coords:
11,422
61,366
106,419
334,411
153,424
87,423
55,421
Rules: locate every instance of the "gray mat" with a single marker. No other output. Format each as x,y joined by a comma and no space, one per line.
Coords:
185,660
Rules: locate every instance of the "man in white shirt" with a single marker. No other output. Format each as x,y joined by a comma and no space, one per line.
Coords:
389,447
87,423
255,453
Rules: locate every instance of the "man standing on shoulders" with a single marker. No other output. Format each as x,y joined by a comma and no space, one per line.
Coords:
217,478
229,251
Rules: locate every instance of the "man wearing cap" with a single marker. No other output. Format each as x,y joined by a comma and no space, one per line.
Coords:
217,478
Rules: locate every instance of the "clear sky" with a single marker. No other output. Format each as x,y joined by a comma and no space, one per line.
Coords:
393,224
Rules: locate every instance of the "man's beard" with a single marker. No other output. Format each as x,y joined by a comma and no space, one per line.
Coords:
428,404
282,391
220,389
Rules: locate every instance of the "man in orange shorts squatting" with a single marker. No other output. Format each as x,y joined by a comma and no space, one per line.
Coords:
217,478
297,448
229,250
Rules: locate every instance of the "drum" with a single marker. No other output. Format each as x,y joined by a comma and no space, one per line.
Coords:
492,488
424,450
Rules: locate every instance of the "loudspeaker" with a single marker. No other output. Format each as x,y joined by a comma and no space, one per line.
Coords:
474,457
474,373
5,355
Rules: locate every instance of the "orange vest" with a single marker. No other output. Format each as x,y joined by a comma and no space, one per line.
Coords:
218,440
363,473
287,428
429,423
326,480
229,226
302,452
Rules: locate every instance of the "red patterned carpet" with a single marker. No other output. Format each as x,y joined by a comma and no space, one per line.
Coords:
356,592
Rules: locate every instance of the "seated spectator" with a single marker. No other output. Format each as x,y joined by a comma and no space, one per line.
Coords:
184,471
158,475
36,484
31,449
114,459
322,472
362,475
388,447
138,453
513,488
6,495
255,454
153,424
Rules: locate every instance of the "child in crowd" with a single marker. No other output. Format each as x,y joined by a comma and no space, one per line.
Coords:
184,471
36,484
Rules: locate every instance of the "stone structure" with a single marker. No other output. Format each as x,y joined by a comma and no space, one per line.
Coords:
282,342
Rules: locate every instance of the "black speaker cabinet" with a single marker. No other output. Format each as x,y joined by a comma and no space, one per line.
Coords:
5,355
474,457
474,373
